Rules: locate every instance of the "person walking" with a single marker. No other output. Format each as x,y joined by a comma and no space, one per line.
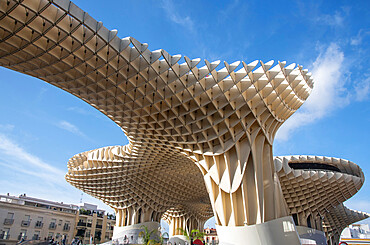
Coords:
64,240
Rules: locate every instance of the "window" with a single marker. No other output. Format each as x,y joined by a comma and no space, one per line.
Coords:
39,223
126,217
50,235
53,224
36,235
23,234
27,218
10,216
60,222
5,233
66,226
139,216
309,225
295,218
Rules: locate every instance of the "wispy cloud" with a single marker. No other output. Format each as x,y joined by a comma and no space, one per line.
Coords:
14,157
336,19
227,11
82,111
24,172
362,89
328,94
6,127
357,40
70,127
174,15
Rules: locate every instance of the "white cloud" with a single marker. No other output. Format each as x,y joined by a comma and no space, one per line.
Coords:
23,172
357,40
229,9
6,127
175,17
362,89
70,127
85,112
336,19
328,94
21,160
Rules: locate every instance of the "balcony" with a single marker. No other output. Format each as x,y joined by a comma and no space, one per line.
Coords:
4,236
85,212
81,224
39,224
8,221
52,226
25,223
22,236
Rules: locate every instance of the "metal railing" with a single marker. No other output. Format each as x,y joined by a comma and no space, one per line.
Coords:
4,236
8,221
81,224
22,236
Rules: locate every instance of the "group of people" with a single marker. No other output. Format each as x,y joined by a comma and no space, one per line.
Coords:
55,242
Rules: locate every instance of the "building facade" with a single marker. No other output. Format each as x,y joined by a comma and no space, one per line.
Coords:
356,234
28,218
35,219
93,225
210,236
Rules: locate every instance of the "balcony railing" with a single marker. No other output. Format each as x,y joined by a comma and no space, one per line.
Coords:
4,236
20,237
25,223
8,221
52,226
81,224
39,224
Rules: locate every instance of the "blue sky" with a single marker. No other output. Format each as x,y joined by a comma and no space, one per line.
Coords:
41,126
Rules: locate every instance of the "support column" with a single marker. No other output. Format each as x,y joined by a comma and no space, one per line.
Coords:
130,222
180,219
245,192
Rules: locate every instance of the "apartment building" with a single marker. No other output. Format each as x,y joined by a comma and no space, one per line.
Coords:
210,236
356,234
30,218
93,225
